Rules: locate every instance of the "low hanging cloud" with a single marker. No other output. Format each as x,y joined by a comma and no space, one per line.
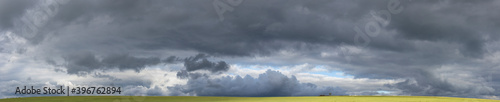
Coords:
183,74
84,63
200,62
270,83
427,84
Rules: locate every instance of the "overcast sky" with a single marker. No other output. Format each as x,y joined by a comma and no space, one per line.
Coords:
253,47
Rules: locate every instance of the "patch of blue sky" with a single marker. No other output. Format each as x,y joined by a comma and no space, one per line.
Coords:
318,69
384,92
322,70
338,74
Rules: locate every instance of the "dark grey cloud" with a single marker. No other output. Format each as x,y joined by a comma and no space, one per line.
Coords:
173,28
85,63
166,24
439,25
426,83
200,62
82,63
129,62
270,83
435,34
171,59
416,43
183,74
12,9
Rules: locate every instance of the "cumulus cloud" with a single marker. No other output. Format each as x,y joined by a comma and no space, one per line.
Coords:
270,83
183,74
200,62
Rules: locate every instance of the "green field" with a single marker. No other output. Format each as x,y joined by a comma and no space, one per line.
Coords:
244,99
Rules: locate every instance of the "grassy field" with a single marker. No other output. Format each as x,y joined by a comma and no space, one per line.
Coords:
244,99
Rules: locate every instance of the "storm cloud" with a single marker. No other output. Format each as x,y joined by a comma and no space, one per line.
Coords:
434,47
270,83
87,62
200,62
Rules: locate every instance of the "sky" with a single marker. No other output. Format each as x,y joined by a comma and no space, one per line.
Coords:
253,47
